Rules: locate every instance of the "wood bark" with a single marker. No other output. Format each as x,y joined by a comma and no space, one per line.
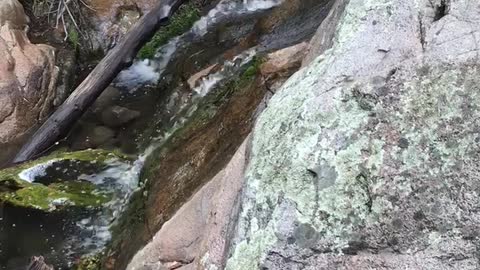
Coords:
121,56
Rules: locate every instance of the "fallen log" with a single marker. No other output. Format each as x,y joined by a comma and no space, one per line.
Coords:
121,56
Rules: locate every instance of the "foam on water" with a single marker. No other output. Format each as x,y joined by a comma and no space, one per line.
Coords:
210,82
121,180
39,170
139,73
207,83
227,8
254,5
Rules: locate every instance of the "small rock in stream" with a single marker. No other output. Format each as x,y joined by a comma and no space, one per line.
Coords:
116,116
109,97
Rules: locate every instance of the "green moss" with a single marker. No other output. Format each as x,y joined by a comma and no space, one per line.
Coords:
94,156
74,38
252,70
21,193
50,198
180,22
92,262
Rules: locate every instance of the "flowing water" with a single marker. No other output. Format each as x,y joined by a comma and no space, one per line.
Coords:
149,71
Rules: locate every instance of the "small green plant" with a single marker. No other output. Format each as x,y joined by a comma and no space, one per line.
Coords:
180,22
66,14
252,70
74,38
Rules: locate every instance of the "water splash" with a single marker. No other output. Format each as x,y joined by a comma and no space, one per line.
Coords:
119,179
254,5
207,83
147,71
139,73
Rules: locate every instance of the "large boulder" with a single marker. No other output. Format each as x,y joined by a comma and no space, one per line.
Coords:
27,77
368,157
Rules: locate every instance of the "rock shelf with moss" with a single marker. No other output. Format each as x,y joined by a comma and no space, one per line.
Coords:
58,195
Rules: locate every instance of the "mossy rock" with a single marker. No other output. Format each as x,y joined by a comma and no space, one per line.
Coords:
59,194
90,262
180,22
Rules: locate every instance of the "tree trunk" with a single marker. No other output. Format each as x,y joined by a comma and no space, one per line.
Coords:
121,56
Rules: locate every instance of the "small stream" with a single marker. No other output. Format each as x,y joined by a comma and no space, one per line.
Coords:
149,71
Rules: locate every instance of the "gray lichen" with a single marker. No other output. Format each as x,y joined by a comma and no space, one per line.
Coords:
399,132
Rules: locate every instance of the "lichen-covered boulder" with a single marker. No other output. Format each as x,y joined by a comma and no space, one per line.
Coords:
368,157
28,77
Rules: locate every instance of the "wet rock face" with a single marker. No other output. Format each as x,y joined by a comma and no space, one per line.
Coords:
27,77
203,224
371,151
200,225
